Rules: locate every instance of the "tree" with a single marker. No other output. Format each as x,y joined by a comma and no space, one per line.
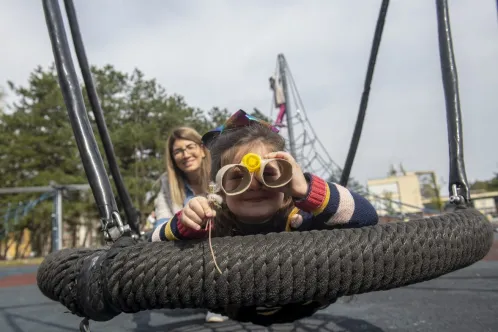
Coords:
486,185
258,114
2,100
218,116
38,144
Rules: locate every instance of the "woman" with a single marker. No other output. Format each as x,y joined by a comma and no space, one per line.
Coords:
188,165
187,173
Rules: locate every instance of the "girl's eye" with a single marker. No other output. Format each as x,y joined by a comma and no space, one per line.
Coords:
271,171
234,174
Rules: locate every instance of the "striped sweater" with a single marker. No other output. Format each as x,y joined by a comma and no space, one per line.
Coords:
326,205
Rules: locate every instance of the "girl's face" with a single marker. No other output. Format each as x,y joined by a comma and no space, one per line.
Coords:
187,155
257,204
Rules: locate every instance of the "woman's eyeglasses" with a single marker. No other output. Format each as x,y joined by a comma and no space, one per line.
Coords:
189,148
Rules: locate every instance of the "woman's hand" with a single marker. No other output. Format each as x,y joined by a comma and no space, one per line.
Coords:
196,213
298,186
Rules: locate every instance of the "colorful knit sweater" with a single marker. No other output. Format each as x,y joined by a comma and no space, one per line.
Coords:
326,205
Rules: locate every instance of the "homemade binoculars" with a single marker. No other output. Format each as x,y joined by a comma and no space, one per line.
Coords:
234,179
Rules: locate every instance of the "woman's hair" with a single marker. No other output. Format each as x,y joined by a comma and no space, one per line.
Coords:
176,177
224,148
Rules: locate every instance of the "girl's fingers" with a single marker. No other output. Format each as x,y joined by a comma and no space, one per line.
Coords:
282,155
187,216
201,207
195,213
278,154
208,211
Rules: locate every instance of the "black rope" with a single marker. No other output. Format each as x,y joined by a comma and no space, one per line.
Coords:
458,186
130,212
366,92
285,269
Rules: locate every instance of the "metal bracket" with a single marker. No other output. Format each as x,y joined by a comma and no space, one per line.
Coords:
113,229
455,197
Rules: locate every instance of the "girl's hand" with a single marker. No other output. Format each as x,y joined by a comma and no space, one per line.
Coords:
196,213
298,186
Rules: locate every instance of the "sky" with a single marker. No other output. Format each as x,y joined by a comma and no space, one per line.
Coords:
221,53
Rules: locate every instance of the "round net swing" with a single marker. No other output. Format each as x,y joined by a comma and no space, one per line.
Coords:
278,269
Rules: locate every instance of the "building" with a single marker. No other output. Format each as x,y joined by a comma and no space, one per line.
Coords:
405,195
396,195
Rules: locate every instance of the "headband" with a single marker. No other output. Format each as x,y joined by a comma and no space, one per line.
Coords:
238,120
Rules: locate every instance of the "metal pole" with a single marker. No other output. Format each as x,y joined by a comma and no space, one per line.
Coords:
41,189
58,215
54,225
282,65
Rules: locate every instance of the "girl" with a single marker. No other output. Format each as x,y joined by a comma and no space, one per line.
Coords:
306,202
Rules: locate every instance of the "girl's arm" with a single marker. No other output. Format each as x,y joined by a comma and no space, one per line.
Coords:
330,204
173,230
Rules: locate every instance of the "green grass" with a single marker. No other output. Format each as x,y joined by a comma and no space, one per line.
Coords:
21,262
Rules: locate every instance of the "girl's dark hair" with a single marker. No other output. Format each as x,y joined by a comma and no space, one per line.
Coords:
224,148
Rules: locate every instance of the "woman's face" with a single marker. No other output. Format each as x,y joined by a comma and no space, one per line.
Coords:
187,155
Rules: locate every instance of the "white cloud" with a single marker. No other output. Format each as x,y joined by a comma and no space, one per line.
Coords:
221,53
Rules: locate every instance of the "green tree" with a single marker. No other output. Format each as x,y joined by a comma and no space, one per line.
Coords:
37,148
2,100
38,145
218,116
486,185
258,114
